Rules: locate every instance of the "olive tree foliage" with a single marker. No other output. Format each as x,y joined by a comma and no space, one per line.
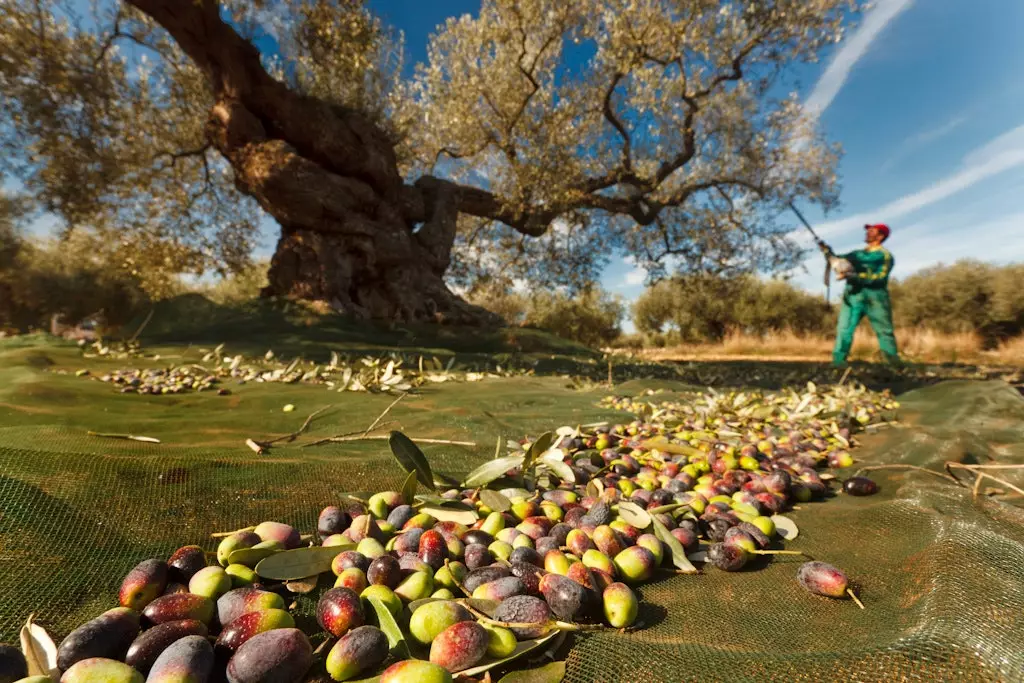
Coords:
706,308
664,142
539,136
591,316
966,296
103,118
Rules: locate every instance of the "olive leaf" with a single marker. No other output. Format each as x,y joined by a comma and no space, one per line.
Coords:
39,650
488,607
411,458
678,554
521,649
491,470
289,565
549,673
634,515
594,488
662,444
540,445
409,488
495,501
386,622
250,557
561,470
441,479
785,527
449,514
430,499
514,492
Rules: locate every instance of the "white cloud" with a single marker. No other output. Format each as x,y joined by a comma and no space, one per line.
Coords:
834,77
997,156
921,139
633,277
942,242
1008,141
636,276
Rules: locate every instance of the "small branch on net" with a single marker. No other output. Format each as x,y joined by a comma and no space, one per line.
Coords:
416,439
978,471
380,417
129,437
358,432
376,424
260,446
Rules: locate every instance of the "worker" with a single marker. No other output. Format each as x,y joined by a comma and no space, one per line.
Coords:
866,294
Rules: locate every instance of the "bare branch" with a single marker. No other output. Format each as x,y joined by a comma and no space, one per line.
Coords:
609,115
184,154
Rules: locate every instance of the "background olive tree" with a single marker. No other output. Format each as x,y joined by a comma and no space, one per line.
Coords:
539,137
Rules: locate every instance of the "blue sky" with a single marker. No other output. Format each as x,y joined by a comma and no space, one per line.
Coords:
927,99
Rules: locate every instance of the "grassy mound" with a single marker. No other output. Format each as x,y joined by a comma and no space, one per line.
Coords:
295,329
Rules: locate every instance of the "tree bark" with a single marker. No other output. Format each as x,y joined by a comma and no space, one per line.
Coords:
353,234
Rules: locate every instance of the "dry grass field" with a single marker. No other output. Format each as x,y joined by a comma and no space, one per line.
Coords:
916,345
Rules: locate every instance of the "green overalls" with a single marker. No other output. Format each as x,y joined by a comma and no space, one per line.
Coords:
866,294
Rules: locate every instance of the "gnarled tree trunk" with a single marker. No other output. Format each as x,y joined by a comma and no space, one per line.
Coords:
353,234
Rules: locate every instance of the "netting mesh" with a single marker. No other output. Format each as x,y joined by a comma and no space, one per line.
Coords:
942,575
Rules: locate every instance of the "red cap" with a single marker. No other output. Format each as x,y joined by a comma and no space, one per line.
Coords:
880,227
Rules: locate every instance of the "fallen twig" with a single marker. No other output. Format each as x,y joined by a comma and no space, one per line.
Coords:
260,446
977,470
417,439
304,427
386,411
373,426
130,437
358,432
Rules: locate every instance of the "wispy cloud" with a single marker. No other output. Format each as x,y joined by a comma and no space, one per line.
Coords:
834,77
920,140
634,277
997,156
939,241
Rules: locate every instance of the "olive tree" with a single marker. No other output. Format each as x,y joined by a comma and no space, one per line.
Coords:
539,136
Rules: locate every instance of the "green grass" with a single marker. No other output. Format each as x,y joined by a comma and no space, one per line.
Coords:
292,329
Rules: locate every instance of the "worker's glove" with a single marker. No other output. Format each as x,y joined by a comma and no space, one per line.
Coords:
825,249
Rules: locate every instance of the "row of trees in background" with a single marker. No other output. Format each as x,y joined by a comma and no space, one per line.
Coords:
80,278
76,279
593,317
968,296
707,308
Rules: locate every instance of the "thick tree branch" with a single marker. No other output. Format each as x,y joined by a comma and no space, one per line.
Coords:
314,128
609,115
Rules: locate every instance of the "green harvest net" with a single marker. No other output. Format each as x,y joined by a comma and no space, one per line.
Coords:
942,575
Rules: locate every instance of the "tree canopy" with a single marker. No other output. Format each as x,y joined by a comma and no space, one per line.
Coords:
539,137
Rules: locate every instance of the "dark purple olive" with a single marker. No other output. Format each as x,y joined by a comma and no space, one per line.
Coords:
477,536
860,486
